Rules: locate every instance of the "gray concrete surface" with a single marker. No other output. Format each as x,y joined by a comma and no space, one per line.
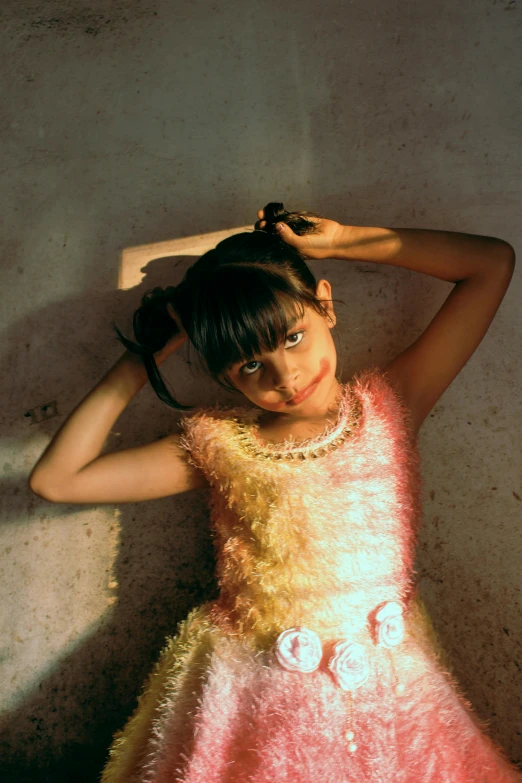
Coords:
126,123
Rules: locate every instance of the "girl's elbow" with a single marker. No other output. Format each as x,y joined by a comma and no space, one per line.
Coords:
507,253
42,489
498,254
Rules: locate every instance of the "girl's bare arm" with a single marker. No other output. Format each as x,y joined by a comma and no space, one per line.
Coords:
71,469
481,268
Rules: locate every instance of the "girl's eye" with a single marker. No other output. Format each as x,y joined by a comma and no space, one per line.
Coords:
290,336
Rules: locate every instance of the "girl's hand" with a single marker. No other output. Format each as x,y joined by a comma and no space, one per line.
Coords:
322,243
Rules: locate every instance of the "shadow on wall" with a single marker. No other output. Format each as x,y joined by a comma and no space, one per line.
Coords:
88,694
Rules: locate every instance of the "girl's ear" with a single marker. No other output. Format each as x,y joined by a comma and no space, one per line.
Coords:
323,289
324,292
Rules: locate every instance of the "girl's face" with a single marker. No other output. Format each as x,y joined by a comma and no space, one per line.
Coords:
306,362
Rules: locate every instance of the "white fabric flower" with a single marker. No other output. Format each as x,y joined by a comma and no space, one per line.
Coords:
299,649
349,665
390,624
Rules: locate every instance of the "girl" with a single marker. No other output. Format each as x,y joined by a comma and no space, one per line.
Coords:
317,661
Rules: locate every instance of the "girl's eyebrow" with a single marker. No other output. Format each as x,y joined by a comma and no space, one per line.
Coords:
292,322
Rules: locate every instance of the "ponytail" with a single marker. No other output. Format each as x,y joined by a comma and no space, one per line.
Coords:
153,328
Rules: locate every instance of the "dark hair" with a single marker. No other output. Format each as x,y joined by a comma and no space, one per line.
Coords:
233,302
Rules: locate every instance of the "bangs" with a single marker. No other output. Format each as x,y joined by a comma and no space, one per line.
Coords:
248,309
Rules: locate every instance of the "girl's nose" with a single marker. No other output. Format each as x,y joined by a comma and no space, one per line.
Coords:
284,377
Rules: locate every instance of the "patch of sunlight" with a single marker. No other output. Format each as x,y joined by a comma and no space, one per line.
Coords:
134,259
60,588
32,670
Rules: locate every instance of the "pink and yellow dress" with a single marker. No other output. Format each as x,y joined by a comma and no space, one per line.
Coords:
317,662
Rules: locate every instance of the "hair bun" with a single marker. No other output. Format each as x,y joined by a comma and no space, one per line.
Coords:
275,212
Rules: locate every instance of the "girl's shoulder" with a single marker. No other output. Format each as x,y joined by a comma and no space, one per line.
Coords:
380,397
374,380
206,431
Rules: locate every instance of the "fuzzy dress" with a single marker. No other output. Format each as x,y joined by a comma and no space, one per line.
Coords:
317,662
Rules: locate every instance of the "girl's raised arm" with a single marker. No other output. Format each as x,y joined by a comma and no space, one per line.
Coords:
481,268
71,469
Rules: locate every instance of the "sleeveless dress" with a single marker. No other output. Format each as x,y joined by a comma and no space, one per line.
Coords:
317,662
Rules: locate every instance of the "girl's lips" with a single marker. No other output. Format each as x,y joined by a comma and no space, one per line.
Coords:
303,394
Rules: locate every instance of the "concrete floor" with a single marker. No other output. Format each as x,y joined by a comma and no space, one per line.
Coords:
128,123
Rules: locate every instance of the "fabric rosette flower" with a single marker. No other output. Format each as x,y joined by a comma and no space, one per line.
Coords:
349,665
390,624
299,649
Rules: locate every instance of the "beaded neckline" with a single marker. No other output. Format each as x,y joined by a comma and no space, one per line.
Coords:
350,410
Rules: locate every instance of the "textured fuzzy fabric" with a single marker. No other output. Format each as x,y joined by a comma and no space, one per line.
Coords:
322,544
